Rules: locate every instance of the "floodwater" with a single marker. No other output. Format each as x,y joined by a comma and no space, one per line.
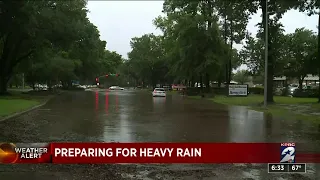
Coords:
135,116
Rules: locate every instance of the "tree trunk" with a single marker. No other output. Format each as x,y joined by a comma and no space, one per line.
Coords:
231,53
192,82
3,85
49,85
219,84
318,57
220,79
201,85
226,42
300,83
208,82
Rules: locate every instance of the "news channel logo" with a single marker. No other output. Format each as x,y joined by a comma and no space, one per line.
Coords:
288,153
8,153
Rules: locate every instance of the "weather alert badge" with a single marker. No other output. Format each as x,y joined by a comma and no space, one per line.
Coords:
288,152
7,153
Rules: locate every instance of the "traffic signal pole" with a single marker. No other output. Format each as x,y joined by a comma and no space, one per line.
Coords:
107,75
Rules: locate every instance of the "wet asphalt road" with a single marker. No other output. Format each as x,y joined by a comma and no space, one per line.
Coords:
135,116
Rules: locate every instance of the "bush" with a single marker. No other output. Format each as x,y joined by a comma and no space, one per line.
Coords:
193,91
220,91
256,90
311,93
276,91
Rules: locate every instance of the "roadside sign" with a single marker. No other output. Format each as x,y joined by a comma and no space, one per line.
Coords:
238,90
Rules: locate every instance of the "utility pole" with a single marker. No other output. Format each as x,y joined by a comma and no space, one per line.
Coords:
266,57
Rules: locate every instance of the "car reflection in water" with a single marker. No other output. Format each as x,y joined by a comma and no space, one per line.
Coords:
97,100
107,102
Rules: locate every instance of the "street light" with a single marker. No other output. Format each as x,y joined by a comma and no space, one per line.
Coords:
266,57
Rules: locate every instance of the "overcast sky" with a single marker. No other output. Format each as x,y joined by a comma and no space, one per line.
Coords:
119,21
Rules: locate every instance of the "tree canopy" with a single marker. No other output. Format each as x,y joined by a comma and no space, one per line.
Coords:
52,42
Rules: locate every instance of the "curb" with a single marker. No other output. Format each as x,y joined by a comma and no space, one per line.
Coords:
25,111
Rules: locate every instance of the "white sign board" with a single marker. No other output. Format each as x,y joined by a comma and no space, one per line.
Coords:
238,90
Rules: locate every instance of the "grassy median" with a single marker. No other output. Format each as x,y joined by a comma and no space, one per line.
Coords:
289,107
18,102
11,106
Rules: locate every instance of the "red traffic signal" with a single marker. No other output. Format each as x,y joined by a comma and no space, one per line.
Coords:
107,75
97,79
117,75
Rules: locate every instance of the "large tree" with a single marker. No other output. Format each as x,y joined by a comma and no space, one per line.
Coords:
51,42
234,16
312,7
271,13
301,54
29,25
241,76
195,44
147,59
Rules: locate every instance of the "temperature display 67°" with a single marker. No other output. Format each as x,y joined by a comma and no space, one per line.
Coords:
287,168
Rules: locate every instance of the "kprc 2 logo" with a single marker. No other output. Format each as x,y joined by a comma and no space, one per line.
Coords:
287,153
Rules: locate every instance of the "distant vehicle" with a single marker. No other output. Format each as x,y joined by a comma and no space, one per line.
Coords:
81,86
116,88
292,88
159,92
43,87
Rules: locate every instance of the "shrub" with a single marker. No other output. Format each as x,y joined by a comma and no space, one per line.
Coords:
193,91
311,93
256,90
220,91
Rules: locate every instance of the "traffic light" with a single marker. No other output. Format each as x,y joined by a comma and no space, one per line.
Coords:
97,79
107,75
117,75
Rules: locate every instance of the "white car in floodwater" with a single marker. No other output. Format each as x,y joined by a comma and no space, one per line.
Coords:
116,88
159,92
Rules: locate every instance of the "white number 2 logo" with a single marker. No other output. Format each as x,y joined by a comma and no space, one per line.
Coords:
289,150
288,154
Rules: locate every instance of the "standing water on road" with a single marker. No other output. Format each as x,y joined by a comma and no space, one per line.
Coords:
136,116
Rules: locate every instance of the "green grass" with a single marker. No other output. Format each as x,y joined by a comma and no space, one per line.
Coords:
258,99
280,111
276,109
11,106
316,106
18,101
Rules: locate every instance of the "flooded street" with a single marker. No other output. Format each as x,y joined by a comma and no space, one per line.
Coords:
135,116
